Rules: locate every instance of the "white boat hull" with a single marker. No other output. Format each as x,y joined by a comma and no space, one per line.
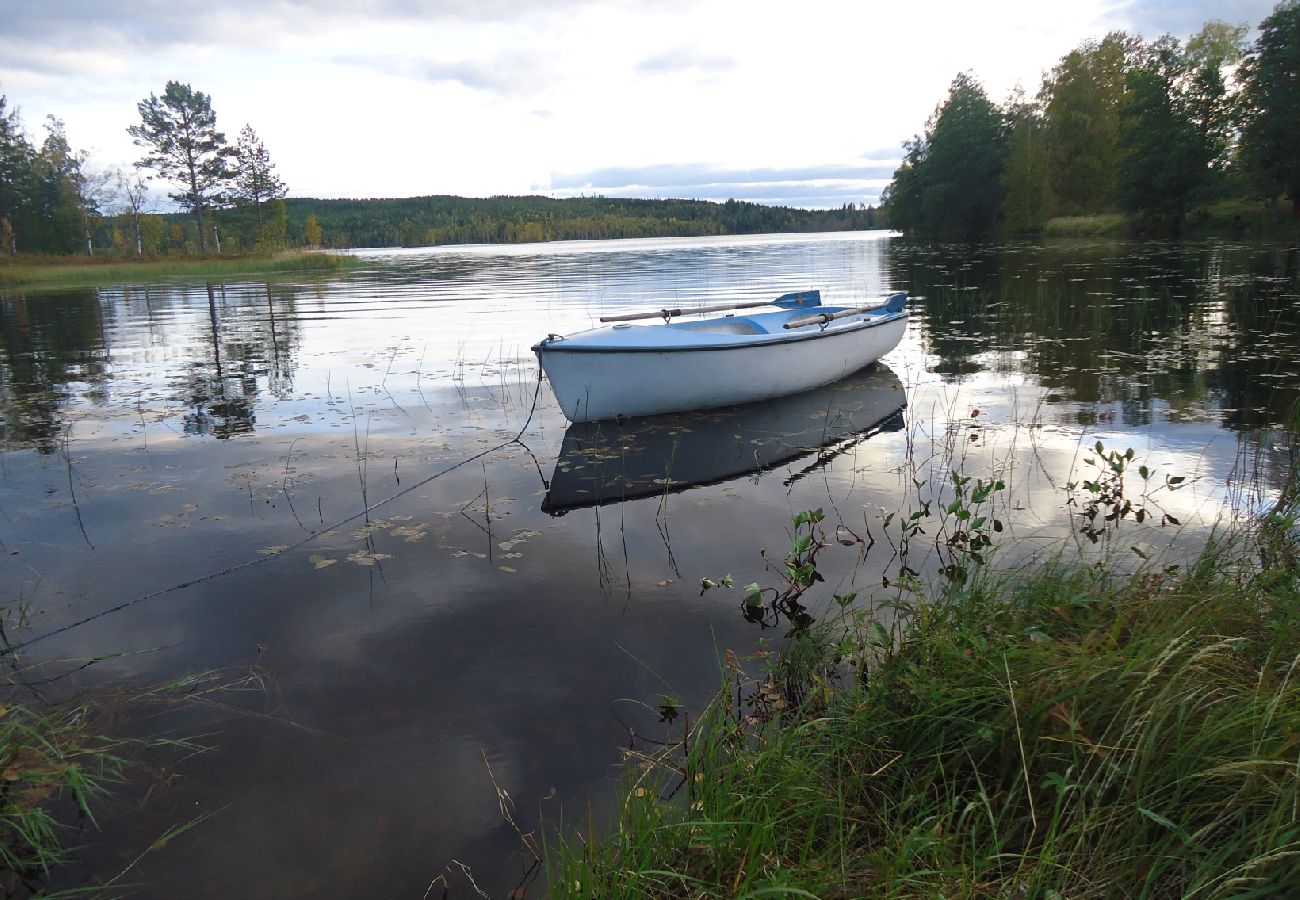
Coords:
613,383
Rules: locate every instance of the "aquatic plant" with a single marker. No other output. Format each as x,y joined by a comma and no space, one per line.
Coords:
61,761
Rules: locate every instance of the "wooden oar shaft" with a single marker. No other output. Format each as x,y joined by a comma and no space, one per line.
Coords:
823,318
671,313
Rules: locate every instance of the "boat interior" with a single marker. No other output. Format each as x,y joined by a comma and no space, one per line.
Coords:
728,325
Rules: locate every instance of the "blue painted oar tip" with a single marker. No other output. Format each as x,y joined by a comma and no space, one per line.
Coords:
799,299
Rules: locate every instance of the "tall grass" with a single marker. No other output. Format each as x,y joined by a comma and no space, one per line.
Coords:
1053,732
88,271
60,762
46,756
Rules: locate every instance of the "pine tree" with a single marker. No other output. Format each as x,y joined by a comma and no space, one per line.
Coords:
179,132
256,182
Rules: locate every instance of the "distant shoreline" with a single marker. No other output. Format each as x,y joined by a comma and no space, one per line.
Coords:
90,271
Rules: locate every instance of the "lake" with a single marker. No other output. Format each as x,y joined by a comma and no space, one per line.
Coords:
350,501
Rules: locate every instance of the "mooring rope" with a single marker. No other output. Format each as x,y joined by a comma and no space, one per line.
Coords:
248,564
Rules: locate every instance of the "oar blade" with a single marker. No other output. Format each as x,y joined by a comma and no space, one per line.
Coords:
799,299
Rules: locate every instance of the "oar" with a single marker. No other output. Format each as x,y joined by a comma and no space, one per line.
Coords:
796,300
895,303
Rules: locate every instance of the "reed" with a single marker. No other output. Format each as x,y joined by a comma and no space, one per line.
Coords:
1059,731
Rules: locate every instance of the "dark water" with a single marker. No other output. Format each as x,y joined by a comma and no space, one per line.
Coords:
187,471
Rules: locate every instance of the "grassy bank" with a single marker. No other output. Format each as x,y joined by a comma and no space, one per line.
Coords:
1056,732
1228,219
1105,225
84,271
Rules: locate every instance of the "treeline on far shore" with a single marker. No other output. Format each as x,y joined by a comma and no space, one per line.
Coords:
427,221
1123,135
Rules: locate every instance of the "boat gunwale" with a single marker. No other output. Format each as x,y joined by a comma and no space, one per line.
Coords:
754,342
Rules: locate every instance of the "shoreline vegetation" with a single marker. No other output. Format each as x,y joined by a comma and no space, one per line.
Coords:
89,271
1226,219
1056,731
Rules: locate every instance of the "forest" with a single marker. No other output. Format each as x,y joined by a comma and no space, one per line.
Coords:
52,202
1149,136
427,221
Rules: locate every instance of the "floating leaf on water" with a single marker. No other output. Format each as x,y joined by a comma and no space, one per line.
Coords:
508,569
512,556
412,533
273,551
321,562
370,528
364,558
665,582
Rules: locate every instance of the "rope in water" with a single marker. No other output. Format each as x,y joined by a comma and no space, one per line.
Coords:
248,564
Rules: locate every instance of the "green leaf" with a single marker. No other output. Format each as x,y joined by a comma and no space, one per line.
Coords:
882,635
1164,822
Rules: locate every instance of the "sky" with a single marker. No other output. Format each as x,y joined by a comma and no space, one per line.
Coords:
800,102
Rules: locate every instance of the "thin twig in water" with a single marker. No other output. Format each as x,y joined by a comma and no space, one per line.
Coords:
67,461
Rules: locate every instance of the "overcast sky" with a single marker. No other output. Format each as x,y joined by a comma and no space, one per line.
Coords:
803,102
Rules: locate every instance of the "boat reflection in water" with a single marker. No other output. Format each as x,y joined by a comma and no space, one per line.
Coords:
609,462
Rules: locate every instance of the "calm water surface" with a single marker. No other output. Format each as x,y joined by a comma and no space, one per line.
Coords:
315,486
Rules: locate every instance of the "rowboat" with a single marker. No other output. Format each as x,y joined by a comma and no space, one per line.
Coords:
603,463
621,370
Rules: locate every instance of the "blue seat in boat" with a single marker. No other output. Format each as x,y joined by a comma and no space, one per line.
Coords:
729,325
